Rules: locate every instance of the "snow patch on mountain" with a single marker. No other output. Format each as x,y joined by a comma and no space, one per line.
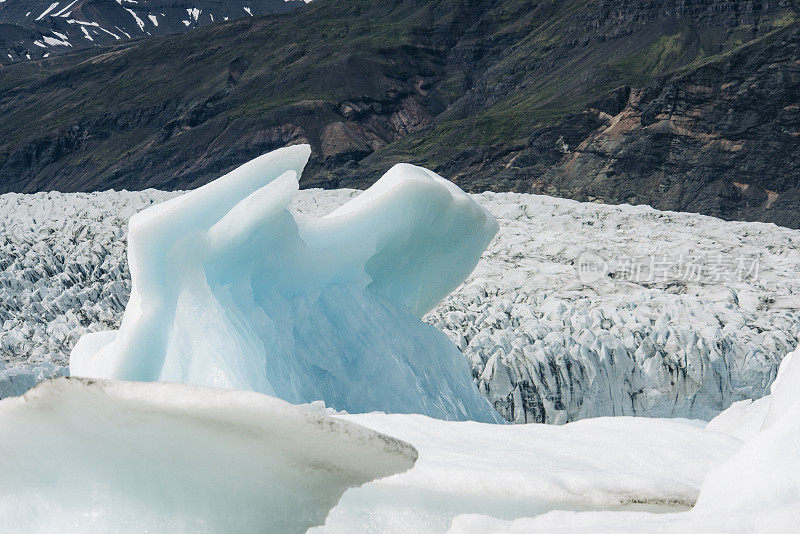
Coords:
52,41
46,11
106,22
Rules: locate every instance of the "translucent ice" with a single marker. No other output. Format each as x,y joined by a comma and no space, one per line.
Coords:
230,289
105,456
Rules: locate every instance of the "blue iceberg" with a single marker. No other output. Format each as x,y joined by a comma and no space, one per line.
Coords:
231,289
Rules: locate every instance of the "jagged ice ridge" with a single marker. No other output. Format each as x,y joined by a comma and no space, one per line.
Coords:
230,289
543,345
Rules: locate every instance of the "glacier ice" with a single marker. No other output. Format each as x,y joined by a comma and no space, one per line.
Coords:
739,473
536,338
519,308
84,455
96,455
230,289
512,471
759,486
547,346
756,490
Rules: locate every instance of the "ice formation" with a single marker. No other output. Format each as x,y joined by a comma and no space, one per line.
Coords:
81,455
230,289
543,345
757,490
739,473
708,344
513,471
547,346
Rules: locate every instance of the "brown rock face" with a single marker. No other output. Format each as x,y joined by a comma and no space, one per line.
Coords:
723,139
345,141
682,105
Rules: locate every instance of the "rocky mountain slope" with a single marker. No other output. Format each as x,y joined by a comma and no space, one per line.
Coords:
685,106
33,29
544,344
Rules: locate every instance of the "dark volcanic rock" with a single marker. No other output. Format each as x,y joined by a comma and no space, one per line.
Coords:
682,105
722,139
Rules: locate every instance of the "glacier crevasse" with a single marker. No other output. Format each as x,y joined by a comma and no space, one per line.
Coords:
230,289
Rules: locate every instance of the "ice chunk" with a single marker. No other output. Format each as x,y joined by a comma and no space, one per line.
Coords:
230,289
742,419
784,398
521,470
761,483
103,456
756,490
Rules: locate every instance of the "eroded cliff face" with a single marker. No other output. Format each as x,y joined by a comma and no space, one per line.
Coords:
721,140
683,105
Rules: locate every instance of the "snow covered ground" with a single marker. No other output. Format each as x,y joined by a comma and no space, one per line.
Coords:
740,473
757,490
544,343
